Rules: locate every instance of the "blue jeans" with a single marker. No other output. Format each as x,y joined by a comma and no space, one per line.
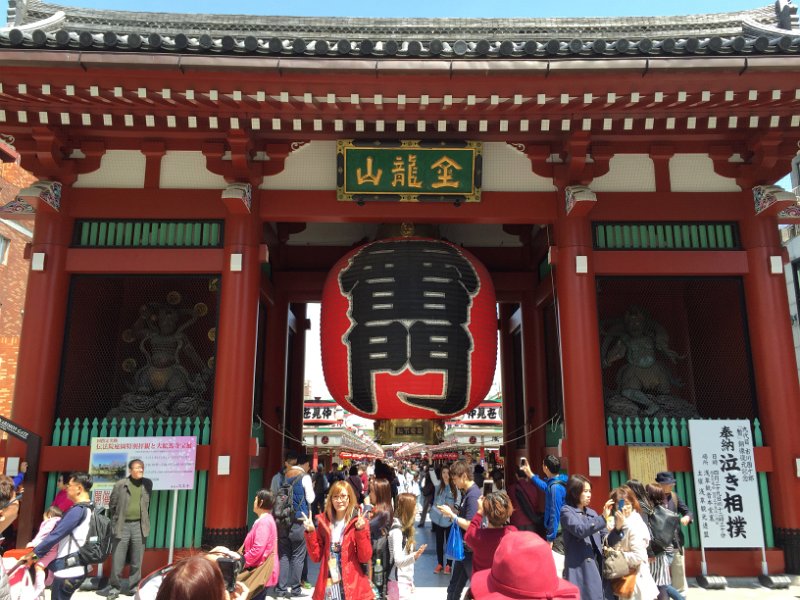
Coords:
62,589
462,571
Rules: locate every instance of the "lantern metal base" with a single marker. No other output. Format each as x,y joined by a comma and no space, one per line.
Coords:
394,431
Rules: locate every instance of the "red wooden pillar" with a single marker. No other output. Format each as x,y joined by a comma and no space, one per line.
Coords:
535,365
508,383
39,359
231,420
584,413
274,396
775,371
294,404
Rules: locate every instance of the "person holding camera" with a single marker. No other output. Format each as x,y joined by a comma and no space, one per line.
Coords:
229,564
497,508
340,542
631,535
461,475
195,577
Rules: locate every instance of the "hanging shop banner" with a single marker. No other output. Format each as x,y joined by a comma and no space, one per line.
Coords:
168,461
725,484
408,171
408,330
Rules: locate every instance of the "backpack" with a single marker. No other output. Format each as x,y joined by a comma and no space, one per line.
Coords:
284,510
380,549
100,538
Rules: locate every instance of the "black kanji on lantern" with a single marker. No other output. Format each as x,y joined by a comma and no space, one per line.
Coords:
409,304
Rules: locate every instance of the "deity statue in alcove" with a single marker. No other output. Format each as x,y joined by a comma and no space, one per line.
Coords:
645,382
173,380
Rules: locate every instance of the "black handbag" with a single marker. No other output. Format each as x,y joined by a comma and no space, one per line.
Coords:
663,526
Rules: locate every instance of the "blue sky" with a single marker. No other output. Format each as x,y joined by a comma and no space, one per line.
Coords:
427,8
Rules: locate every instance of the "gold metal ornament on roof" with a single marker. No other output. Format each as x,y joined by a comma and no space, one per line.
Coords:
211,362
129,365
212,334
200,309
174,298
406,229
213,285
128,336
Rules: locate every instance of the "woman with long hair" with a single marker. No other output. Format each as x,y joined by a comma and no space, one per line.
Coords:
380,495
584,531
401,548
662,557
497,509
340,543
631,535
446,494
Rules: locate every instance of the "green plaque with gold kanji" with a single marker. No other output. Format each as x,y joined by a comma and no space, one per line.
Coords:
408,171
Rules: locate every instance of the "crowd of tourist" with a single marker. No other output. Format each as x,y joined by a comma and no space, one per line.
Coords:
359,524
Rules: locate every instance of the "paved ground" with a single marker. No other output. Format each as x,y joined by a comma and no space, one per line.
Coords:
433,587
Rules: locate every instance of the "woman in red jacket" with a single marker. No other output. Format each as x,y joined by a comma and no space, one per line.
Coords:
340,543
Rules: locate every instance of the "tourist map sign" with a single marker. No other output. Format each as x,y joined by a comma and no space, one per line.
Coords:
408,171
168,461
725,483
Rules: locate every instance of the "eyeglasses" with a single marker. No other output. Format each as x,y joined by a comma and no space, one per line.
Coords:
341,497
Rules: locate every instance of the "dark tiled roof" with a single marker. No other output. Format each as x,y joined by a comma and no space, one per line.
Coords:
38,24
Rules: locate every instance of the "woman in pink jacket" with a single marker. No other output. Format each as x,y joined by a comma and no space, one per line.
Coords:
262,539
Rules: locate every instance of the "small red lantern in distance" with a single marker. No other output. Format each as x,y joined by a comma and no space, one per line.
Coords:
408,330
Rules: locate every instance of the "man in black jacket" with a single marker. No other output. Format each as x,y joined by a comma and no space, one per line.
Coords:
678,569
128,510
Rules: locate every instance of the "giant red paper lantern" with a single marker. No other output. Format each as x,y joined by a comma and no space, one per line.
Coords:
409,330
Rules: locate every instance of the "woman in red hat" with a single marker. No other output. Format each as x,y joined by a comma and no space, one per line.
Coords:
523,568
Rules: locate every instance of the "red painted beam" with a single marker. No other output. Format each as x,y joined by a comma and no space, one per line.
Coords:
673,206
678,262
322,206
117,260
98,203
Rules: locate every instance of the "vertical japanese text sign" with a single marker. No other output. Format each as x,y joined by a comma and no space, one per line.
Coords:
728,503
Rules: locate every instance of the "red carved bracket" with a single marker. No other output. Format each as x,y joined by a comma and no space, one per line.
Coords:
243,165
46,155
764,161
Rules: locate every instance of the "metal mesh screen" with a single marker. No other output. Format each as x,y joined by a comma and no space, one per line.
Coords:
675,347
139,346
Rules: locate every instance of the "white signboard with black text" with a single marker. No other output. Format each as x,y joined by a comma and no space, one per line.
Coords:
168,461
725,484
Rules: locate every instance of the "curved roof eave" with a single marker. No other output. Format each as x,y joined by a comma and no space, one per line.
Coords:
407,29
55,27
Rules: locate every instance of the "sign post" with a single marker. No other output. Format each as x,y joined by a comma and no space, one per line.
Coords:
728,503
169,463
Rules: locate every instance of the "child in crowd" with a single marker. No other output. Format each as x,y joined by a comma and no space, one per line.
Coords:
51,518
401,547
484,542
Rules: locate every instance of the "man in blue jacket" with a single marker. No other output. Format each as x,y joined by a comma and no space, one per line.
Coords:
554,486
